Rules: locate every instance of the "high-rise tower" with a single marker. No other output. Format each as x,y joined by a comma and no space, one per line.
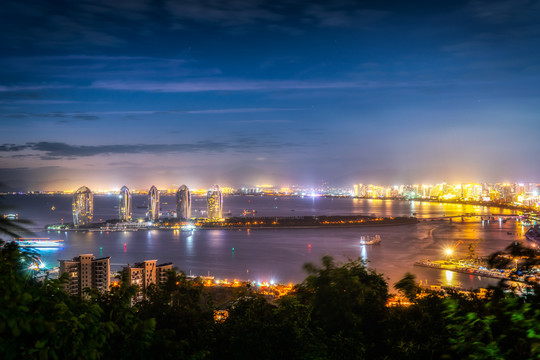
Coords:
83,207
214,203
153,203
124,208
183,203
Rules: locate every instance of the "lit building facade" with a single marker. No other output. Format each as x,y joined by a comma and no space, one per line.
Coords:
214,203
124,208
85,271
153,204
183,203
146,273
83,207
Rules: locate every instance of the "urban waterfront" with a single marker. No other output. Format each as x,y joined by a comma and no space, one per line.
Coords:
278,254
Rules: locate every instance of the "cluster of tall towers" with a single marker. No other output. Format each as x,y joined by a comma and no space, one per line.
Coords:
83,204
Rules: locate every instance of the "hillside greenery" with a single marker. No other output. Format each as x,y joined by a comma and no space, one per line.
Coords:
338,312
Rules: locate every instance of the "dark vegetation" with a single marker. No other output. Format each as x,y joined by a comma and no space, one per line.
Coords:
307,221
337,312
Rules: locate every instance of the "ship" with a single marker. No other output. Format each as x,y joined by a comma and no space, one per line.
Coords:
187,228
39,242
370,240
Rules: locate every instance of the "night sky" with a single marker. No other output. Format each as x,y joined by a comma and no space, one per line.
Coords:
107,93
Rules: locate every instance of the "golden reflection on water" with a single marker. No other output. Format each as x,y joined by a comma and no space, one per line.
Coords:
448,278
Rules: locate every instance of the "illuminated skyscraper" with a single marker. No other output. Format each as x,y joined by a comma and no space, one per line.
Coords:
124,208
153,203
83,207
214,203
183,203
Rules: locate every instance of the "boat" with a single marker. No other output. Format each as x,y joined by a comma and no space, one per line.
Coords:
39,242
187,228
370,240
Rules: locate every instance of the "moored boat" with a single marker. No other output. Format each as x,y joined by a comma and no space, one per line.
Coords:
370,240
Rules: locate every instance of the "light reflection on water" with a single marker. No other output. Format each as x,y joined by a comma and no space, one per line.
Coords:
280,253
363,253
449,278
189,244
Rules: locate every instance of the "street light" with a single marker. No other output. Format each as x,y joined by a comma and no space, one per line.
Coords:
448,251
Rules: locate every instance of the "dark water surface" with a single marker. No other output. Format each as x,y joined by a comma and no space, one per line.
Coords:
278,254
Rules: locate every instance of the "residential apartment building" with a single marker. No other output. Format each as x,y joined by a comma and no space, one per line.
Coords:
145,273
85,271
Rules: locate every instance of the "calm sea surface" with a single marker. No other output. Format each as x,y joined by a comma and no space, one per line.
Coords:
278,254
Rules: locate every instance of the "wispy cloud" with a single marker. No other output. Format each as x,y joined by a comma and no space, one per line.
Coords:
236,85
195,111
97,115
56,115
223,12
21,87
56,150
38,102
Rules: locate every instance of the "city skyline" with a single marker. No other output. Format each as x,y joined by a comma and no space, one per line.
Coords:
287,188
248,92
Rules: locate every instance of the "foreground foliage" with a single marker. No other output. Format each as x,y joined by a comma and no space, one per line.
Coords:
337,312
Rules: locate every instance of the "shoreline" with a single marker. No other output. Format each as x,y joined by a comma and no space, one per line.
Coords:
466,270
473,203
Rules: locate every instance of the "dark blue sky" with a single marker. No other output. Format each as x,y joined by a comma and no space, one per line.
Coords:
107,93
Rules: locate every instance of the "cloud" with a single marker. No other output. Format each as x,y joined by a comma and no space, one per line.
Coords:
342,15
195,111
97,115
237,85
11,88
280,16
12,147
115,24
56,150
81,67
65,117
86,117
38,102
499,12
223,12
